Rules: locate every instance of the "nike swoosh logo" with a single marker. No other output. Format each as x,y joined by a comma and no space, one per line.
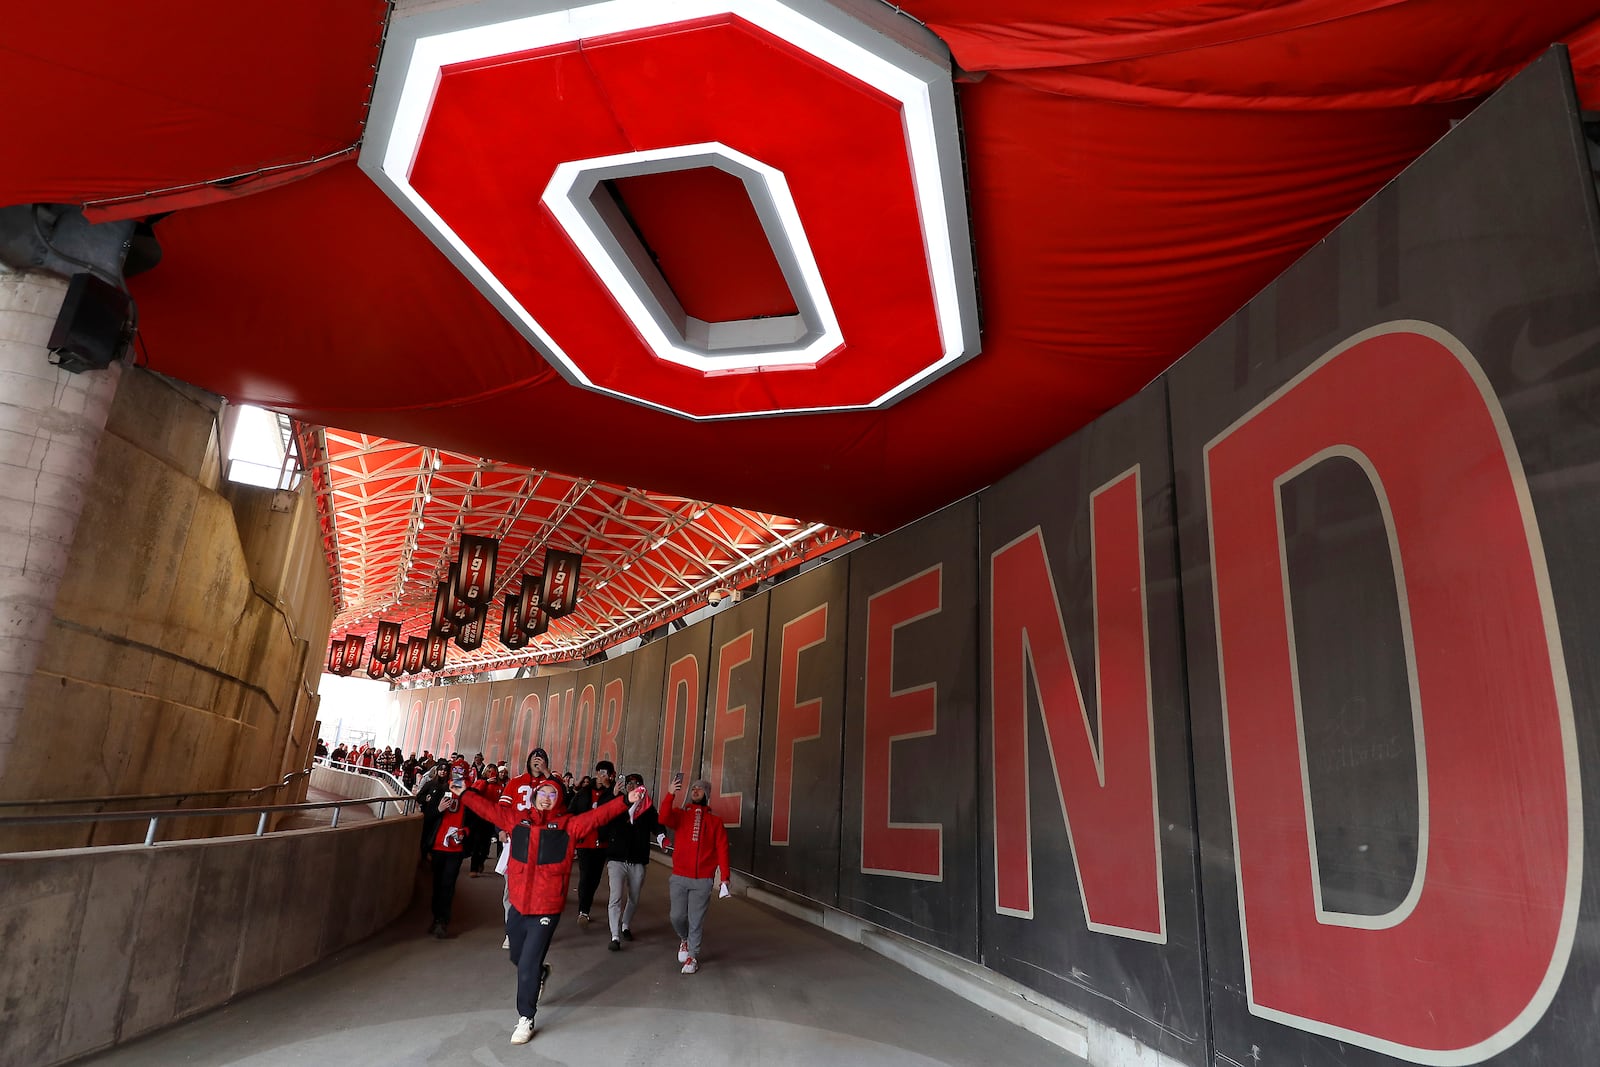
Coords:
1532,362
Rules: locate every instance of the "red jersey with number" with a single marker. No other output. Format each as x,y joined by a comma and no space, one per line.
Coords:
519,793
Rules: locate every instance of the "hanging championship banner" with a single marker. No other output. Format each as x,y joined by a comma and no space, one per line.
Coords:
532,618
416,648
444,624
475,581
511,635
375,667
470,634
433,653
396,667
528,606
336,657
353,646
387,646
459,610
560,593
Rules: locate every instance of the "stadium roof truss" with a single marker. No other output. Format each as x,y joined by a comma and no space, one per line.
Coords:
392,515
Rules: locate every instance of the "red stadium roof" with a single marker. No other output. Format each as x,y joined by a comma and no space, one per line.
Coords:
1134,173
393,515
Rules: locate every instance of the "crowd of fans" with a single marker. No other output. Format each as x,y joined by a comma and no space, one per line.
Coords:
540,824
410,769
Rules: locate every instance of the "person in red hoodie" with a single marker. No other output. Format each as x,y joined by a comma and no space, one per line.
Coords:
699,851
518,792
537,874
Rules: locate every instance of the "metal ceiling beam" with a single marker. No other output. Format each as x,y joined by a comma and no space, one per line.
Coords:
651,556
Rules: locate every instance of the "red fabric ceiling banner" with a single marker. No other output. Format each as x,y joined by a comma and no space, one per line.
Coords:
470,634
336,658
434,655
353,646
388,642
560,593
395,667
511,632
444,623
416,649
475,578
375,668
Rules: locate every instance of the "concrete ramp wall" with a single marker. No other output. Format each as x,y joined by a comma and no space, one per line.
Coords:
180,656
353,786
103,945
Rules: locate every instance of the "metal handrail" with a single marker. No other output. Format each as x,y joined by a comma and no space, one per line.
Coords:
366,772
407,804
180,794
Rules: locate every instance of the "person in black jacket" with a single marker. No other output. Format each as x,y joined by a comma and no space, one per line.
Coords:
591,793
428,797
627,858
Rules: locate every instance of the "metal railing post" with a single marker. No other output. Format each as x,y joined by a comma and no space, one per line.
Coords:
335,821
261,825
150,834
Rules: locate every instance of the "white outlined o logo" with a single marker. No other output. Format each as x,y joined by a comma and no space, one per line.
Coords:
492,128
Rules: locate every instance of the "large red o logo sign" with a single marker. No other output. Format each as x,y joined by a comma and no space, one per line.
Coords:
507,140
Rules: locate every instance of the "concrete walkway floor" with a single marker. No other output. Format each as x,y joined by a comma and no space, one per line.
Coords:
772,990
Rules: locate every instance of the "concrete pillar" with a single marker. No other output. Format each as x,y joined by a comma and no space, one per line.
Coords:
50,428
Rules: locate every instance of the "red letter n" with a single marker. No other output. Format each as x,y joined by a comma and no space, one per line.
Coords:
1107,792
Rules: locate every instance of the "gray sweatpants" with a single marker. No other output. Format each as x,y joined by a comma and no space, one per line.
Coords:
627,882
690,899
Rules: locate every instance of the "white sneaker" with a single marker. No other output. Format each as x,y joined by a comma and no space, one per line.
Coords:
683,952
691,965
507,942
524,1031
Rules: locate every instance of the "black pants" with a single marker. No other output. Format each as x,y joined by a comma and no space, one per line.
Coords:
446,868
430,830
591,865
530,940
479,834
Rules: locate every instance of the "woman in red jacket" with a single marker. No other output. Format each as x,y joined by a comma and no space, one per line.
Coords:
537,875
